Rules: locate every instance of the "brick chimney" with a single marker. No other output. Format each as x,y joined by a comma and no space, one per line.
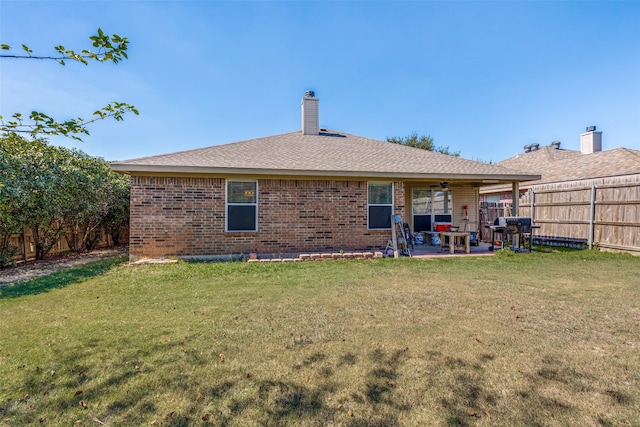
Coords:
310,122
591,141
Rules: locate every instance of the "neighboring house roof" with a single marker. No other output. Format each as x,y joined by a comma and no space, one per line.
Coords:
330,153
538,160
556,165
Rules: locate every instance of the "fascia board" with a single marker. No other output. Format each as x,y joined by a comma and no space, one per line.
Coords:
147,169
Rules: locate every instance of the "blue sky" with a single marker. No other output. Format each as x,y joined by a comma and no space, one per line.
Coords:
484,78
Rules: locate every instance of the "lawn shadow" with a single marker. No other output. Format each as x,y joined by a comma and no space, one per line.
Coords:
59,279
82,378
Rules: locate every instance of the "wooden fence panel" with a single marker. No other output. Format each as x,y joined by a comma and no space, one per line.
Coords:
605,210
61,246
489,211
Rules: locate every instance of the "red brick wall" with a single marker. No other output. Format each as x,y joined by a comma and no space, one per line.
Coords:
179,216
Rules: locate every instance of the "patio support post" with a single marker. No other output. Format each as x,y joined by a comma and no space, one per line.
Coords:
515,197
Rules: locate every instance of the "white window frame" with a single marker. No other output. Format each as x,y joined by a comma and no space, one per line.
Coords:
380,204
227,204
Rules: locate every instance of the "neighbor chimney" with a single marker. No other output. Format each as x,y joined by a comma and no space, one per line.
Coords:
590,141
310,122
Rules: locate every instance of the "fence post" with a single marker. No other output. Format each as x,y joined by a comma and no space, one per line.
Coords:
25,246
532,200
592,213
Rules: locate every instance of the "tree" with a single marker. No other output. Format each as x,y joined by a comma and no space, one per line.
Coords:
117,218
11,206
57,192
31,182
107,48
85,186
423,142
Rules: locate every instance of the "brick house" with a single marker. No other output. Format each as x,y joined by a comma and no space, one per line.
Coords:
304,191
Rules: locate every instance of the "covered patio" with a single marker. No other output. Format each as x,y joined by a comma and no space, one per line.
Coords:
428,250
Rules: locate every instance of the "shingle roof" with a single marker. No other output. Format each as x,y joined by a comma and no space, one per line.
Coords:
538,160
557,165
330,153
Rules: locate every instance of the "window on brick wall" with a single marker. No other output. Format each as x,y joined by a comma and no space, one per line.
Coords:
380,204
242,205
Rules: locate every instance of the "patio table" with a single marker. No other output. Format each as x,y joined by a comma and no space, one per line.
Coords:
455,241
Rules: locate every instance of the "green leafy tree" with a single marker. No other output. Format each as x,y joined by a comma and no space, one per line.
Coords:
11,202
106,48
99,199
57,192
117,218
424,142
85,186
30,189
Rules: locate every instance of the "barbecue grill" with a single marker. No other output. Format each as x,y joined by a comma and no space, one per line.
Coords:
515,224
511,226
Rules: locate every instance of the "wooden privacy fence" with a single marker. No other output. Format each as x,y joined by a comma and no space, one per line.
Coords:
27,250
603,212
606,215
489,211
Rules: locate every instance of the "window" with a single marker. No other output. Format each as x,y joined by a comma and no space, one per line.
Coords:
242,206
380,205
442,204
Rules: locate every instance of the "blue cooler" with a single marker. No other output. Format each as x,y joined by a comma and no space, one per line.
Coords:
473,238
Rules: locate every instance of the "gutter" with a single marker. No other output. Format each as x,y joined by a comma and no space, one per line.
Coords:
131,169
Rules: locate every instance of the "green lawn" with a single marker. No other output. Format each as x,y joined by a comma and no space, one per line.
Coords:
513,339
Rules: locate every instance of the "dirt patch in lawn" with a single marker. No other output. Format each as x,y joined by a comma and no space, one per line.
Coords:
38,268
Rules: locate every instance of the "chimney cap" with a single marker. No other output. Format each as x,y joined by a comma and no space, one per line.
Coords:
591,128
309,94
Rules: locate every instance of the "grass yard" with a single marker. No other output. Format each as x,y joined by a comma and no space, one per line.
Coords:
513,339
